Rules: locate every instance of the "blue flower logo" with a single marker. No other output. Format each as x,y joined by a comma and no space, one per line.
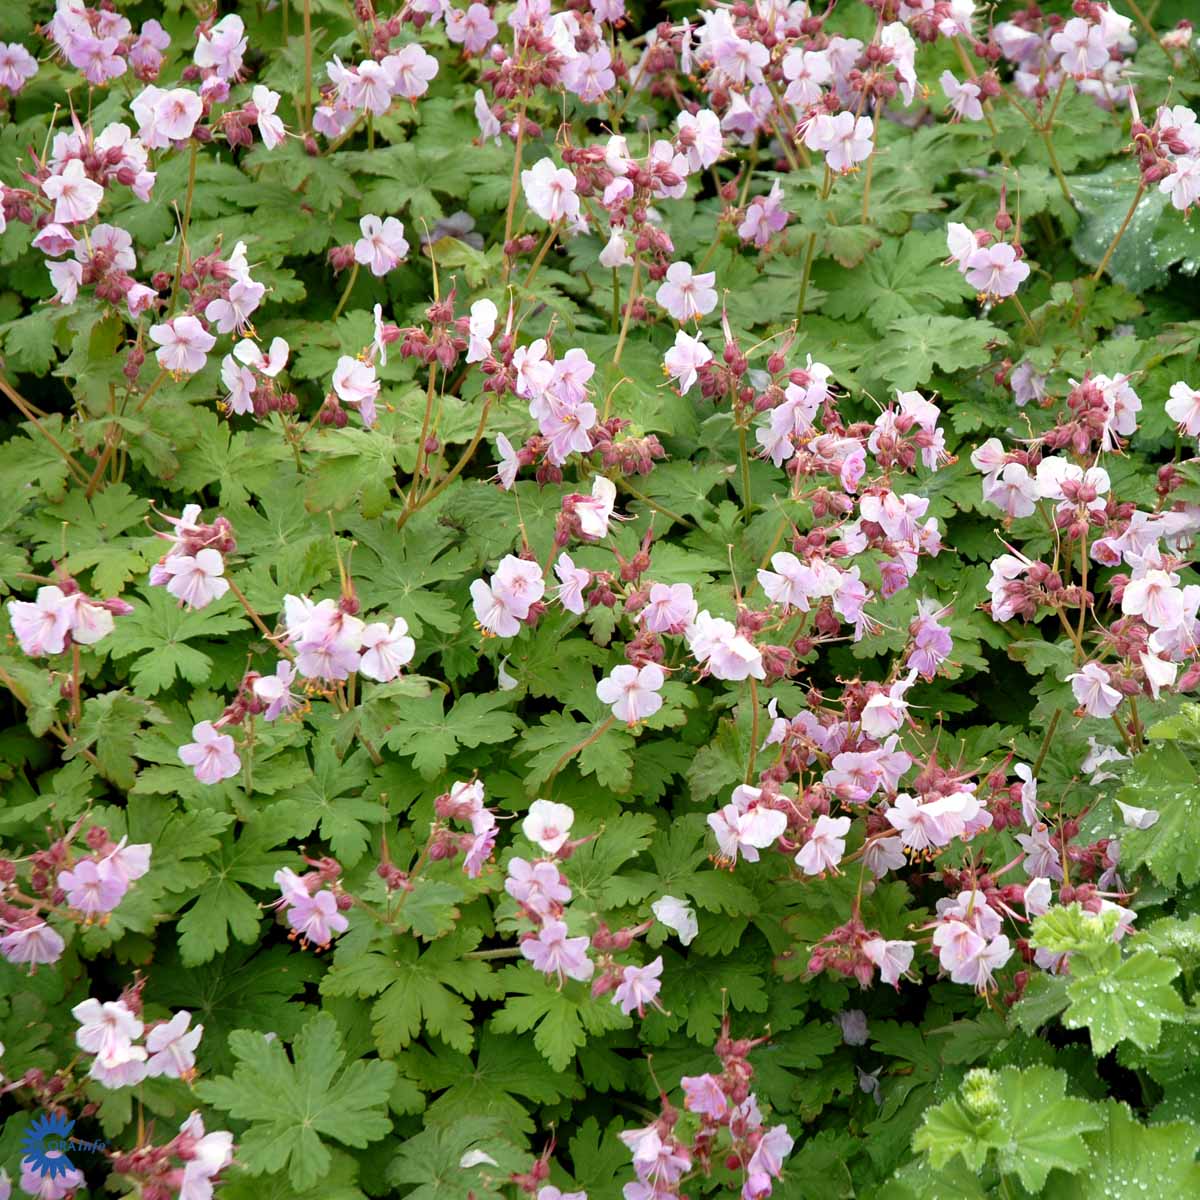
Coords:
49,1161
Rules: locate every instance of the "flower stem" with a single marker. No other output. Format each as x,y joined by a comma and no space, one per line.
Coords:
513,186
337,312
637,273
308,64
753,729
1112,248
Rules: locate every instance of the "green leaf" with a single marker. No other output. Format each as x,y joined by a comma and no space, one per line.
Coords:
1129,1159
1162,778
295,1106
429,736
1023,1117
915,346
109,726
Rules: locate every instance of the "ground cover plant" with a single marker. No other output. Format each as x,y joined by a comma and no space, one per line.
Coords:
599,600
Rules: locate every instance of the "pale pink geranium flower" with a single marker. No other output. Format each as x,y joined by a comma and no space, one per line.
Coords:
317,917
270,127
42,625
995,270
825,845
961,243
103,1026
382,246
766,1163
489,123
553,953
550,191
183,344
17,66
270,364
211,756
473,28
1183,184
355,383
703,1095
175,116
639,986
745,827
509,465
220,50
700,138
130,862
386,650
30,942
410,70
678,916
196,580
1093,691
633,693
616,251
765,217
172,1046
76,197
892,958
481,326
844,139
1155,596
212,1153
548,824
37,1181
686,295
1184,408
1012,490
671,609
240,383
233,310
571,582
275,691
93,888
962,97
683,361
595,511
1081,47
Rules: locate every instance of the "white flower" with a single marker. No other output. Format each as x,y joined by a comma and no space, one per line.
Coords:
548,824
677,915
550,191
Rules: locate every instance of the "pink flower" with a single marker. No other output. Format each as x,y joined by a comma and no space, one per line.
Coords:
765,217
67,278
37,1181
703,1095
275,690
540,886
270,364
1184,408
30,941
1155,596
700,138
550,191
1012,490
1081,47
572,580
963,98
220,49
183,345
996,271
553,953
792,584
175,116
129,862
746,827
481,325
684,360
93,888
211,1152
196,580
884,712
892,958
211,756
1183,184
410,71
317,918
1096,696
509,464
41,626
473,29
633,693
270,127
382,246
595,511
726,654
105,1026
685,295
548,824
386,651
677,915
76,197
355,383
825,845
844,139
671,609
17,66
768,1156
233,310
639,986
172,1047
616,251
